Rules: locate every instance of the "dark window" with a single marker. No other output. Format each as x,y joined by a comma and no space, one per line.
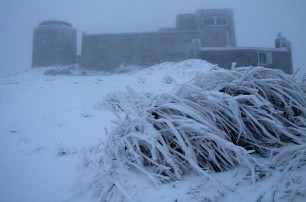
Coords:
221,21
264,58
215,20
209,21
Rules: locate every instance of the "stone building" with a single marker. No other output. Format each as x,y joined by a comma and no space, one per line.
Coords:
279,58
213,27
54,43
207,34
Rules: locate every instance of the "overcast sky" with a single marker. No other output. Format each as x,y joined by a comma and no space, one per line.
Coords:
257,22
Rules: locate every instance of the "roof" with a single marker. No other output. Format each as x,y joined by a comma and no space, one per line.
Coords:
242,48
55,22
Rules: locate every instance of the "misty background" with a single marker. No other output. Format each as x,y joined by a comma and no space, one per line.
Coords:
257,22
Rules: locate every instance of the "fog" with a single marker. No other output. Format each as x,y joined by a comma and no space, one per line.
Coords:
257,22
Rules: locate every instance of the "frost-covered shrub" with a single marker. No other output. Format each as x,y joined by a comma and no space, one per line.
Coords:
120,101
280,89
212,124
173,138
67,70
127,69
281,94
112,100
245,119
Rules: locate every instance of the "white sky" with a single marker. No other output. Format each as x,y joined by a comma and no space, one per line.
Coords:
257,22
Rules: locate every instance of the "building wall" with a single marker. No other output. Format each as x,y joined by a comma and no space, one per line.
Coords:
54,43
186,22
282,61
217,26
109,51
225,58
173,45
207,34
275,58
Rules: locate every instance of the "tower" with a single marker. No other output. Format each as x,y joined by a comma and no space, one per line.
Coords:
217,27
54,43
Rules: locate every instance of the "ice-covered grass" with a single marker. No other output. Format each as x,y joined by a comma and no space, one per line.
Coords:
54,130
215,127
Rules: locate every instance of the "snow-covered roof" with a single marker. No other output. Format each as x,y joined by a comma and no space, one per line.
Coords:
242,48
55,22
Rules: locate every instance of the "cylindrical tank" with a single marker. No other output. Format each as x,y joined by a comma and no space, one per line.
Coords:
54,43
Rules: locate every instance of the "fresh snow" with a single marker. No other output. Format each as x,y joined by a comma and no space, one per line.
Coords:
49,124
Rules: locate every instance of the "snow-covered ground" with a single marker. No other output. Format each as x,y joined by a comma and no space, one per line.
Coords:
48,123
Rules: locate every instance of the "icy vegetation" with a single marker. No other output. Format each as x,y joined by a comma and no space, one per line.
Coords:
222,119
186,131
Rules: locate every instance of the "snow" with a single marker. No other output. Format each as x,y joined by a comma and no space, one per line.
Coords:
243,48
48,124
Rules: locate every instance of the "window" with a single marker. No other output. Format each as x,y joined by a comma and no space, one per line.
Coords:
221,21
264,58
215,20
209,21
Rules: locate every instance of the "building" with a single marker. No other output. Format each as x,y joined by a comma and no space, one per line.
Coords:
214,28
54,43
207,34
278,57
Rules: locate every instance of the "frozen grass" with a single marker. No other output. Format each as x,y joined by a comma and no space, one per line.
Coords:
212,124
272,105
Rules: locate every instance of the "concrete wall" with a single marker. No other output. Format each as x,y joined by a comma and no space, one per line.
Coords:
109,51
217,26
54,43
186,22
207,34
280,58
